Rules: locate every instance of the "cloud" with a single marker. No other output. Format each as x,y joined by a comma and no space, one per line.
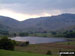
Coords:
39,7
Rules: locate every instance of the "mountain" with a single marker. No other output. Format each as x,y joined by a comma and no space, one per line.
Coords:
3,29
53,23
11,23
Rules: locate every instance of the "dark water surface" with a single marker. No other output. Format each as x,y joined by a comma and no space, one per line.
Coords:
37,40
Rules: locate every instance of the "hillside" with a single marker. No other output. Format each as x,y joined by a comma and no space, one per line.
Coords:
9,23
50,23
53,23
4,29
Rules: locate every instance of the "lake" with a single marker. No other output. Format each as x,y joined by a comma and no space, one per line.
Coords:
37,40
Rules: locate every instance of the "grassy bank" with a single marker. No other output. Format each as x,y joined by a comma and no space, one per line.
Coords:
15,53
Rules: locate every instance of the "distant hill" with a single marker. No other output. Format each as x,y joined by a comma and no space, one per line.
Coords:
11,23
53,23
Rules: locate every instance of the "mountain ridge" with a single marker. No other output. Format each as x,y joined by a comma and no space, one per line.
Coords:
50,23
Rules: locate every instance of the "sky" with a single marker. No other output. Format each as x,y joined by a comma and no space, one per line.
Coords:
25,9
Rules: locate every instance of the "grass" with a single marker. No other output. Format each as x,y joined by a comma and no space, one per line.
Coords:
15,53
67,43
44,48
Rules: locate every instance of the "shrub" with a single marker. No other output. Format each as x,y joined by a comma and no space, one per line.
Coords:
18,43
27,43
49,53
6,44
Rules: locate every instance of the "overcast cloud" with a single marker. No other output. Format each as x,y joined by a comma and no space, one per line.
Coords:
38,7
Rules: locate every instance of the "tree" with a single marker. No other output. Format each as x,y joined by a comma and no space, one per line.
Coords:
7,44
14,34
5,33
54,33
23,34
70,35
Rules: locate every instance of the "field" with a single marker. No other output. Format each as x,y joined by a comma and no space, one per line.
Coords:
44,48
14,53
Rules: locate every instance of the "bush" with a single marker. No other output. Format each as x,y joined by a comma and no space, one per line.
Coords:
49,53
27,43
7,44
18,43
